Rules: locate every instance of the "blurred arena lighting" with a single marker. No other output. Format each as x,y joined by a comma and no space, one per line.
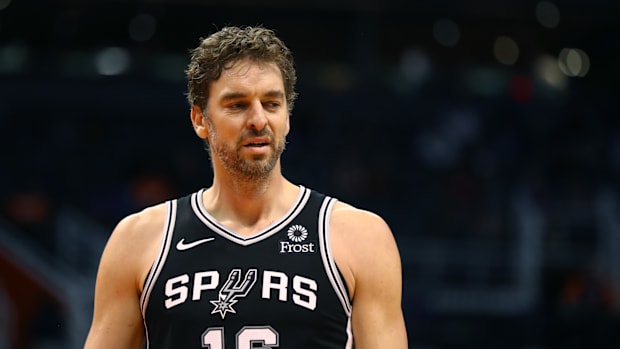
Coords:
446,32
442,146
434,150
169,67
142,27
13,57
337,78
521,88
76,64
548,70
486,82
112,61
461,126
414,66
4,4
574,62
506,50
547,14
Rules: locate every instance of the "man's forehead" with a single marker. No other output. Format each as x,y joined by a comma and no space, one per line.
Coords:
248,77
242,67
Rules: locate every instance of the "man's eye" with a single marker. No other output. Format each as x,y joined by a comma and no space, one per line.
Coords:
272,105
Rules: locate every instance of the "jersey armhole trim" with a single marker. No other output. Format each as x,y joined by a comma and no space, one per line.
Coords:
160,258
326,254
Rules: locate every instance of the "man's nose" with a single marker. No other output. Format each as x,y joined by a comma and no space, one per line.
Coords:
256,116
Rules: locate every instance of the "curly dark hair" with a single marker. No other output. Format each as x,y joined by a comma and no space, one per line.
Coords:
222,49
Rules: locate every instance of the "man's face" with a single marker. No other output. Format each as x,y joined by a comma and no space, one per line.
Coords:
247,119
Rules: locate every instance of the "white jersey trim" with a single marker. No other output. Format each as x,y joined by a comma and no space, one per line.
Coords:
213,224
349,344
327,256
159,261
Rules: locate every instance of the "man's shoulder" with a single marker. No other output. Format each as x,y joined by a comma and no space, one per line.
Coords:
347,217
131,245
150,215
146,221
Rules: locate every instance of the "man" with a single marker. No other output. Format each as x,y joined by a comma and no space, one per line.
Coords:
253,260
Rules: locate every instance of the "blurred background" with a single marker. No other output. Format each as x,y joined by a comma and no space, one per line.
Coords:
484,132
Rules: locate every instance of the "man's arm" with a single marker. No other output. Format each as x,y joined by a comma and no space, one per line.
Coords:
117,319
373,271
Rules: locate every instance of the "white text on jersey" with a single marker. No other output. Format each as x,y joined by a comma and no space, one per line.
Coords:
287,247
299,289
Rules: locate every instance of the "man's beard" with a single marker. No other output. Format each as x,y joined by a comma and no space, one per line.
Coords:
254,169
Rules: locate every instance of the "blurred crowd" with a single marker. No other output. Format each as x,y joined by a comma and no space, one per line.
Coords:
438,168
437,159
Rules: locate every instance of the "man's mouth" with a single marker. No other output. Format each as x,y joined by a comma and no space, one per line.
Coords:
256,142
260,144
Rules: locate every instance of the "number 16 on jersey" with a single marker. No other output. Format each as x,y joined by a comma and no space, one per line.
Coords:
247,338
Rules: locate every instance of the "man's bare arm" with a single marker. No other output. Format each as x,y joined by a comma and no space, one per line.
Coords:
372,262
117,318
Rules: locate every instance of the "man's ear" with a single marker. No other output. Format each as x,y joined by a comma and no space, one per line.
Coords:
199,121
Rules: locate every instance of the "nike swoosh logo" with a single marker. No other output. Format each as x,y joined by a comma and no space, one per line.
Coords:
182,245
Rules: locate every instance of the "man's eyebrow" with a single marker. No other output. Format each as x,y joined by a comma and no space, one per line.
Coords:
232,95
275,93
237,95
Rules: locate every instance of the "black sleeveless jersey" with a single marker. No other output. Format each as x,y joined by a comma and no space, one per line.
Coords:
279,288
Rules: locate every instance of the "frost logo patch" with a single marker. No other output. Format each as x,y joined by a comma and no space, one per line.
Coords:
296,234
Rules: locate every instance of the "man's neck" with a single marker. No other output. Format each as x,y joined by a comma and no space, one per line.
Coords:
247,207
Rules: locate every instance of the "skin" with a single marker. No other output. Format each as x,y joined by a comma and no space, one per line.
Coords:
249,192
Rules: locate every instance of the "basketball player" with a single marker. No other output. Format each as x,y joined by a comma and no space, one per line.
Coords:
253,261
